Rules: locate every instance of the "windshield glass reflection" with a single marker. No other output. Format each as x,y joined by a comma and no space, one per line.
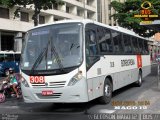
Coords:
53,47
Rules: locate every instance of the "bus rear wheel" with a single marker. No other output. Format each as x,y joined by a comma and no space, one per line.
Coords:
107,92
139,82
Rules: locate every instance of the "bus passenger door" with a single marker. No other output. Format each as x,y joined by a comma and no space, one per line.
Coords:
92,64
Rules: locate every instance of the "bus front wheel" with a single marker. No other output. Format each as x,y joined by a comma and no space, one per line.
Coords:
107,92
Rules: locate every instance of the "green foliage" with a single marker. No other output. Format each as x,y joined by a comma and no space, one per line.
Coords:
38,5
125,15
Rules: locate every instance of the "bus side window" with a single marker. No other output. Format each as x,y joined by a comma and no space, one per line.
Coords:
109,40
143,47
140,42
105,42
91,47
146,47
118,43
91,40
1,57
127,44
135,45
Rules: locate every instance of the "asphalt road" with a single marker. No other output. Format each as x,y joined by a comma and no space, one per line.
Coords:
147,95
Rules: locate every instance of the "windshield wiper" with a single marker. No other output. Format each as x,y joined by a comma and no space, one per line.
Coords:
39,58
73,45
53,50
43,53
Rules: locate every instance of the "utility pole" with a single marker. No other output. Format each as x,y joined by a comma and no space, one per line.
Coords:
158,73
158,69
84,7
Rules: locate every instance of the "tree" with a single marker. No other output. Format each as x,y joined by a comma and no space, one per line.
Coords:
38,6
125,15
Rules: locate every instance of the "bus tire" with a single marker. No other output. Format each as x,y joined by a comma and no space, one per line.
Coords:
107,92
139,82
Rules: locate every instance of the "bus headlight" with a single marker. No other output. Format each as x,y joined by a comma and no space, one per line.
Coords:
24,82
75,79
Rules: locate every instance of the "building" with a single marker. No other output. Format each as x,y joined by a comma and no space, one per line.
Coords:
154,45
12,28
105,11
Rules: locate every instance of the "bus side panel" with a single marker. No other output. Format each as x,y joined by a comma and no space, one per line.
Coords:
123,78
93,81
146,69
121,68
94,90
134,74
90,86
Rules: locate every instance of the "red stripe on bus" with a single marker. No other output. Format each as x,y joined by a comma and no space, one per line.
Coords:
139,61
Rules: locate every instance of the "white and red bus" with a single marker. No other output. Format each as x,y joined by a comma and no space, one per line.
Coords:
79,60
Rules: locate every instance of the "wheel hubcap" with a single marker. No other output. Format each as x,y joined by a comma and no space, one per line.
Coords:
140,79
107,90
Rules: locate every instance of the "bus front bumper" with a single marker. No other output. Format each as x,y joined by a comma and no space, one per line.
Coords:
67,94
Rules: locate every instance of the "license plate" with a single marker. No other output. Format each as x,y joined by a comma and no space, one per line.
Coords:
37,79
47,93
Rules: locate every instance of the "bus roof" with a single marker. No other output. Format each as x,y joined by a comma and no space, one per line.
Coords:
85,21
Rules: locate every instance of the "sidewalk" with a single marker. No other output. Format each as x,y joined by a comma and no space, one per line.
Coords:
153,62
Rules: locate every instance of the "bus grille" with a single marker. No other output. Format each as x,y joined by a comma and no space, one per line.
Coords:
57,84
51,84
38,85
55,95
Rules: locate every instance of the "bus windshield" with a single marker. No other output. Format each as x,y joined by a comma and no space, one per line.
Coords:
54,47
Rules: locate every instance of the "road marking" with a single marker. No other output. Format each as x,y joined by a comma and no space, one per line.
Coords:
106,111
10,107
